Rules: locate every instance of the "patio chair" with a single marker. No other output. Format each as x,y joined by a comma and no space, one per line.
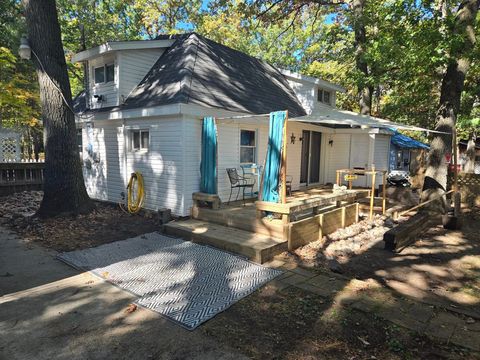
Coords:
239,182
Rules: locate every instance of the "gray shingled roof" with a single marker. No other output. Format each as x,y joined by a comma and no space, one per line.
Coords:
196,70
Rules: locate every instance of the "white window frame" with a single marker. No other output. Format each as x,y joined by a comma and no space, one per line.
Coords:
114,75
142,148
104,66
247,146
95,77
321,96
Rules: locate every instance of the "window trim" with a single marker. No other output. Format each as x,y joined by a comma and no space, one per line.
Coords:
321,96
104,66
95,75
131,137
254,147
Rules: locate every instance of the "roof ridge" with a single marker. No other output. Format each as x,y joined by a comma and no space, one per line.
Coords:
193,67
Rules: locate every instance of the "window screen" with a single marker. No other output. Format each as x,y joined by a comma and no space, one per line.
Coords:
247,146
99,75
110,72
140,140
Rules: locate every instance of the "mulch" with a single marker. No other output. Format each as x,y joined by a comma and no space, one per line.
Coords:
107,223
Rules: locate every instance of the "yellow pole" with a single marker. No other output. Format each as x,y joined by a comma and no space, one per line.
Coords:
384,200
372,195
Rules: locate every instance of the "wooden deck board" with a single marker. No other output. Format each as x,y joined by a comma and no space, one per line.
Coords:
256,247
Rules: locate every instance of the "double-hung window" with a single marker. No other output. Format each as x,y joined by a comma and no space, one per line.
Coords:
248,146
140,140
324,96
104,74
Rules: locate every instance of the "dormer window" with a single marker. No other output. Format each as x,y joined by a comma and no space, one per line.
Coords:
104,74
323,96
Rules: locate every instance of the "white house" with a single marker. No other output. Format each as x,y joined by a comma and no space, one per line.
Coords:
143,109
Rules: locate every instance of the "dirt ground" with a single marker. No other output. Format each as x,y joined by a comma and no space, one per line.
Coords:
441,268
293,324
57,314
105,224
66,316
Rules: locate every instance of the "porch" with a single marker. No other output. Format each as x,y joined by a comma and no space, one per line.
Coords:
261,230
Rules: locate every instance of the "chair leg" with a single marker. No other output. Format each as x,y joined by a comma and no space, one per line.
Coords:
243,196
231,190
238,193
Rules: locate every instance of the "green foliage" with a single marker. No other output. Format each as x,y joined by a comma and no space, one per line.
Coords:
409,44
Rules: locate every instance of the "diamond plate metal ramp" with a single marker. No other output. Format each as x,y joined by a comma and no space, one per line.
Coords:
186,282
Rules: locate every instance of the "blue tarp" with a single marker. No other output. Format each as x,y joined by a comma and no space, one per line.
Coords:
208,165
272,163
405,142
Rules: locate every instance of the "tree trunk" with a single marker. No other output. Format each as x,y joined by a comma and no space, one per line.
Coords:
64,189
365,90
452,86
470,164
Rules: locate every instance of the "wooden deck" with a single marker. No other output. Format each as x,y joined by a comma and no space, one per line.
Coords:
261,230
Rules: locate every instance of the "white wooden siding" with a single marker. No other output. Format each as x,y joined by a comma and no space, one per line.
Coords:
338,155
229,151
192,134
359,156
171,166
133,66
109,90
305,93
381,154
161,166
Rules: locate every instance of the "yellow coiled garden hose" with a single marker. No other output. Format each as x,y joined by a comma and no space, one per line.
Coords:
135,193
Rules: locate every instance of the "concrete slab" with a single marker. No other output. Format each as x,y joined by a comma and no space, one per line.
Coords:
55,315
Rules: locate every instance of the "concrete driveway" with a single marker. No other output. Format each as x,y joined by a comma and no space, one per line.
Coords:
50,311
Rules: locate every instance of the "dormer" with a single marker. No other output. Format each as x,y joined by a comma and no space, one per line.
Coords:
116,68
313,93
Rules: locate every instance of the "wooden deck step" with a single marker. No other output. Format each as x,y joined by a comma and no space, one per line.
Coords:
256,247
240,218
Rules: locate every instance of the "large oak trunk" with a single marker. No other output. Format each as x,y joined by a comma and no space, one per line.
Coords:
365,91
452,86
64,189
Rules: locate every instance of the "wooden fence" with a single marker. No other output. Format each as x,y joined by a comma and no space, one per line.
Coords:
469,187
20,176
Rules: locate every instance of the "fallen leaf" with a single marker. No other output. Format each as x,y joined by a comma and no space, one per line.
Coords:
131,308
364,342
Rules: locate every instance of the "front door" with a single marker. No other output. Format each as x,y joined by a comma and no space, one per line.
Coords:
316,141
305,157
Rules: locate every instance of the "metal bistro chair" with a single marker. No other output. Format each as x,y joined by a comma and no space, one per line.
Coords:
239,182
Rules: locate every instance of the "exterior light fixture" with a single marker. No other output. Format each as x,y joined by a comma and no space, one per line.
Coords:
292,138
330,142
24,50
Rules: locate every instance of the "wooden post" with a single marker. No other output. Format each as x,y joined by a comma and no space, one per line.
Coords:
283,171
372,195
384,200
455,172
338,177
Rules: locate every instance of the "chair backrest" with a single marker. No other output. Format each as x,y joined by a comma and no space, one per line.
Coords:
233,176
